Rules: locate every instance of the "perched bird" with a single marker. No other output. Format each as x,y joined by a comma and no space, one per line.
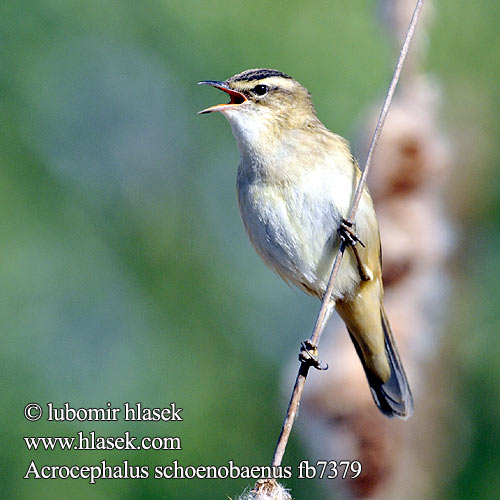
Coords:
296,181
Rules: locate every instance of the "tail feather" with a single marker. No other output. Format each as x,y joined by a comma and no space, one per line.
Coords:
393,397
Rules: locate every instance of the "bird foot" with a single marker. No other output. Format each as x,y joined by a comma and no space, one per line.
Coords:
349,237
309,354
347,233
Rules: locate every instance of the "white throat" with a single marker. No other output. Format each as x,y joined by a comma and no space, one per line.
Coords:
251,129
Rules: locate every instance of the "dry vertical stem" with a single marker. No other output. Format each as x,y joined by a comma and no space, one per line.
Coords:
409,168
326,307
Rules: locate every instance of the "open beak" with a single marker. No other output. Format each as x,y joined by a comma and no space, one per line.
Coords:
237,98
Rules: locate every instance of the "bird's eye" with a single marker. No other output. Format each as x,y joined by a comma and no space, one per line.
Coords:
260,89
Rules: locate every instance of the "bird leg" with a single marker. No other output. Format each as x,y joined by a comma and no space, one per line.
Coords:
309,354
350,238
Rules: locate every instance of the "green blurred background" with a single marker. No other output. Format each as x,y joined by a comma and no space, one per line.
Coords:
125,271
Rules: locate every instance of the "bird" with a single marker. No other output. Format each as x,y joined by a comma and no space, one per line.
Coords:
295,184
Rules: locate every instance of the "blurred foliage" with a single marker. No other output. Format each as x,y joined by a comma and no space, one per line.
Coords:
126,274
